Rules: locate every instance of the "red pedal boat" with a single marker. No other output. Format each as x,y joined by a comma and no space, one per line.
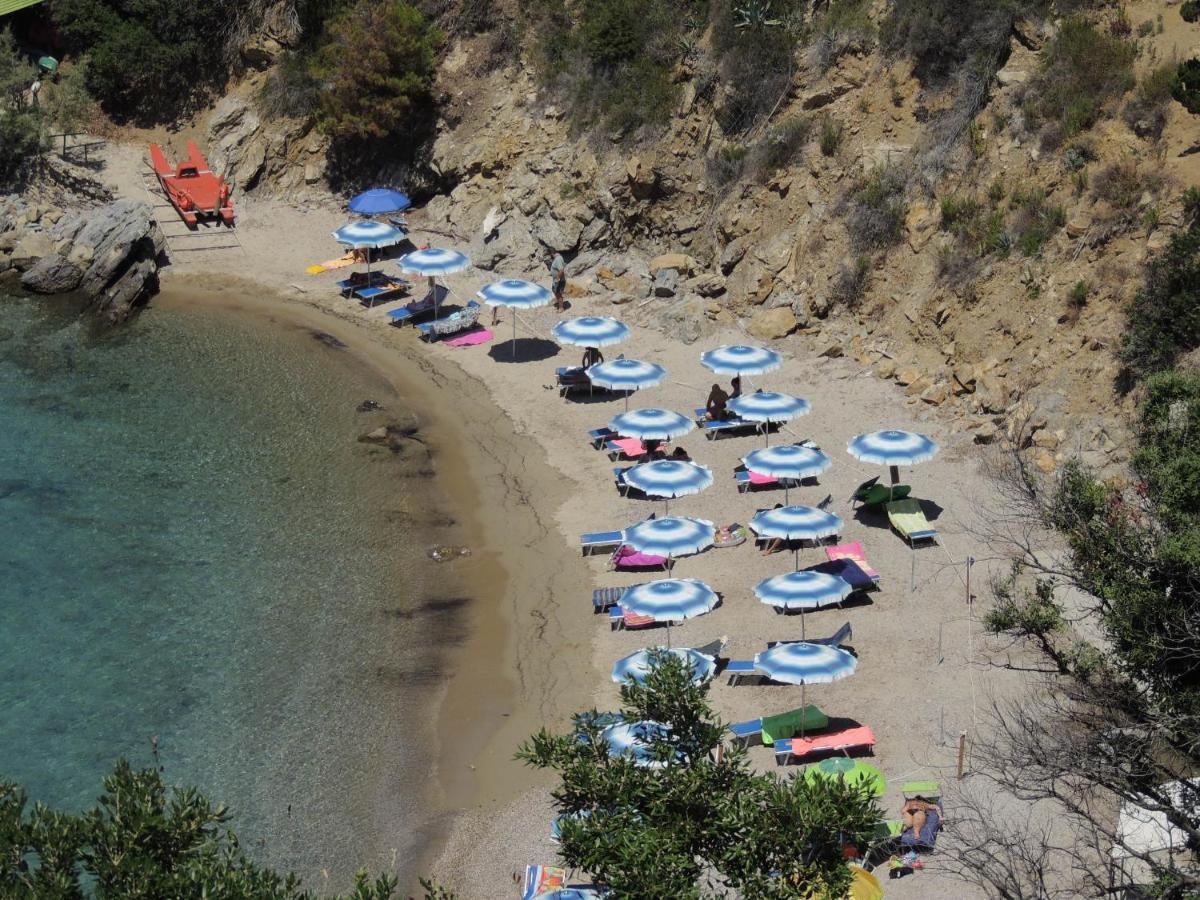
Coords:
196,192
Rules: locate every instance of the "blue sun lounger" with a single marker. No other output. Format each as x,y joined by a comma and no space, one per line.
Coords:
595,541
712,428
412,311
369,295
839,637
769,729
348,285
599,436
608,598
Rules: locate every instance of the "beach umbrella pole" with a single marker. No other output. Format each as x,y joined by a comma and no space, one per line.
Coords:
514,340
895,473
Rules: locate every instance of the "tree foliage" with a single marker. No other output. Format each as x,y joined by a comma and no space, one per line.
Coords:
943,35
142,840
701,820
20,125
377,69
1163,320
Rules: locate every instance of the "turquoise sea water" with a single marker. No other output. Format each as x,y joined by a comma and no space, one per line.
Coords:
193,547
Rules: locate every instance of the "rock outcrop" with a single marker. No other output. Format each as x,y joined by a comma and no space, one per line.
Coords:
107,254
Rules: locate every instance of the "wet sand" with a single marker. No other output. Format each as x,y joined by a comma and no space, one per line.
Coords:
500,682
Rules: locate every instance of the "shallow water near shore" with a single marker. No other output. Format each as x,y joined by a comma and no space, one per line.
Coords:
193,547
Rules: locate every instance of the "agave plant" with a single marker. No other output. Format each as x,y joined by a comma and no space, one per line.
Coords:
755,14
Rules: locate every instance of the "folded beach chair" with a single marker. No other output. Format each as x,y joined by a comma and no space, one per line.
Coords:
619,479
872,493
852,552
839,637
606,598
626,559
467,317
907,517
858,738
769,729
410,312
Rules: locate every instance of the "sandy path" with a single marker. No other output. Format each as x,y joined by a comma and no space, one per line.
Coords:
916,700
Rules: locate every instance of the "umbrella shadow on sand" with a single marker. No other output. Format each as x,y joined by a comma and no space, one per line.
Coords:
528,349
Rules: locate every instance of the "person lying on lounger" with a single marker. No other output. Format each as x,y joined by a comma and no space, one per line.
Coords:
775,544
914,813
714,408
680,455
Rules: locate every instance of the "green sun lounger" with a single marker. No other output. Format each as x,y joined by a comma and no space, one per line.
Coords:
875,494
790,724
907,517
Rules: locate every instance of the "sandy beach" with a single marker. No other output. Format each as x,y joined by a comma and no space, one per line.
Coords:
518,458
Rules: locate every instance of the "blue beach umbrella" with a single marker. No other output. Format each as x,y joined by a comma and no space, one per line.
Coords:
803,591
796,523
636,666
432,262
790,462
741,360
590,331
651,424
671,537
635,740
667,478
893,449
768,406
379,201
368,236
805,664
515,294
626,375
670,600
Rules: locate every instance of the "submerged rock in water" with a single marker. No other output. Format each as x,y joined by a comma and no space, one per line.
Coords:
328,340
446,553
369,406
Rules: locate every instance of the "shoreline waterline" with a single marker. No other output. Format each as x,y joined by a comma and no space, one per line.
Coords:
500,683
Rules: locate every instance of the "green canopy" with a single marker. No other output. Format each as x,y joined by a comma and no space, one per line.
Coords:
49,63
11,6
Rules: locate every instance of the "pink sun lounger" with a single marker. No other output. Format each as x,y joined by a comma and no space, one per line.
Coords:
858,738
852,551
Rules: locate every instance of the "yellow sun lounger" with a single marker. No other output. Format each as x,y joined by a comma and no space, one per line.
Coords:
909,520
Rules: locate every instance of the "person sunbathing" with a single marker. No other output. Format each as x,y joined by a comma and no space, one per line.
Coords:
914,813
735,387
591,357
775,544
714,408
680,455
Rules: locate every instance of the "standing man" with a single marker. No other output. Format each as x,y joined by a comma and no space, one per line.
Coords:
558,276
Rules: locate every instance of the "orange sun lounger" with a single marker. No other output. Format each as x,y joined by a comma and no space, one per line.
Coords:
857,738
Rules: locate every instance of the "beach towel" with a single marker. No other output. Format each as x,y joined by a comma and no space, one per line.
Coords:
929,832
482,336
756,478
630,447
543,880
340,263
628,558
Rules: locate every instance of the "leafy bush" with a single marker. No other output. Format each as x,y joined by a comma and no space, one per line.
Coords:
845,24
1146,112
780,145
291,88
1036,220
1163,319
1186,88
877,209
978,228
66,102
1122,184
1168,454
944,35
755,64
20,126
1083,69
832,133
1190,11
378,68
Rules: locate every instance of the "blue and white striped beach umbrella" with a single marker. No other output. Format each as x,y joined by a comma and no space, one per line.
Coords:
741,360
651,424
636,666
670,600
590,331
515,294
372,235
432,262
626,375
768,406
635,739
791,462
671,537
893,449
802,663
667,478
802,591
796,523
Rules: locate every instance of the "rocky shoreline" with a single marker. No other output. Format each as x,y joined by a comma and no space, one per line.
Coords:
107,254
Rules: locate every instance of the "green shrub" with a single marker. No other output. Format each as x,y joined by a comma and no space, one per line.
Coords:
291,88
377,70
1186,88
832,133
1077,297
1036,220
21,127
1122,184
781,144
755,65
1190,11
1146,112
852,281
1163,319
944,35
877,209
1168,455
1083,69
